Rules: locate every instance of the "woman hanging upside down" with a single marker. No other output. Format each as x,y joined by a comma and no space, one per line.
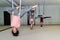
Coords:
15,21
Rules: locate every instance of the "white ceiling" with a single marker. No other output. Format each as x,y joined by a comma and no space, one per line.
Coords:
30,2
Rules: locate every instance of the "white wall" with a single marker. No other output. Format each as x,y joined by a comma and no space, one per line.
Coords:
54,12
50,10
1,16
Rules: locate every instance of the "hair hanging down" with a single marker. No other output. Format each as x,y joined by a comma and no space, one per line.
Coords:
15,34
32,11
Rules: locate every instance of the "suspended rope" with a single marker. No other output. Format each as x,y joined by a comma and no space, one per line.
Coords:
12,4
39,7
20,8
43,6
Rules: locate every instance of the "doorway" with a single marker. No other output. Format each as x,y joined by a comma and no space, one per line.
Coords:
6,18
